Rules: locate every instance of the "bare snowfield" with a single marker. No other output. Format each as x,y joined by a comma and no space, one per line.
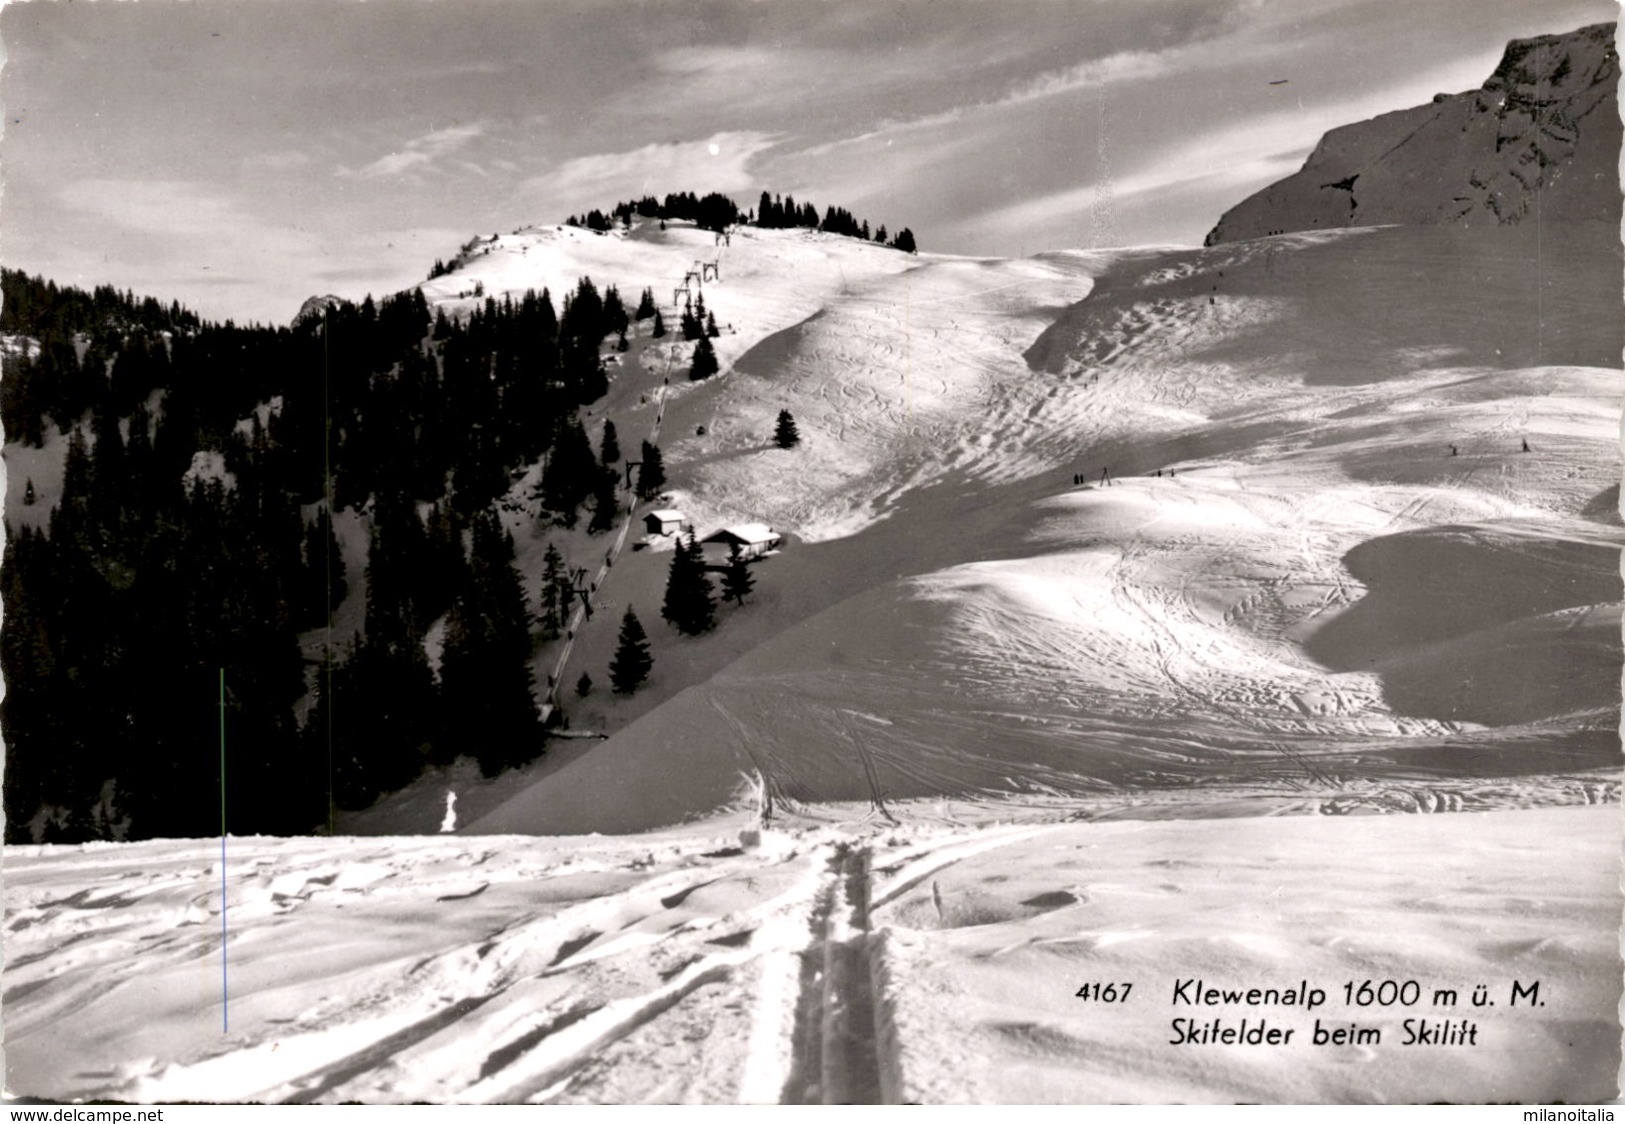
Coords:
1159,730
928,962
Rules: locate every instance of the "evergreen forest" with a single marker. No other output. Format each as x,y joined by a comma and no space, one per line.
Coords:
191,555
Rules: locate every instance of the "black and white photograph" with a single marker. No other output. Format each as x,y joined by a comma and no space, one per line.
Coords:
776,551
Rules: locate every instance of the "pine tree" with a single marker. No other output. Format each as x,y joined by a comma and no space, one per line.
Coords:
484,671
571,472
904,240
689,605
605,503
609,449
659,330
555,599
705,361
737,580
711,325
615,318
632,662
28,493
323,579
584,685
785,435
646,305
652,472
679,584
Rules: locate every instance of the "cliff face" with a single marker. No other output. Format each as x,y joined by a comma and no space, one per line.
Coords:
1541,136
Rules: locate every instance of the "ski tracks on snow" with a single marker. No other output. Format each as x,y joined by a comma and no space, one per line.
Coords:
747,974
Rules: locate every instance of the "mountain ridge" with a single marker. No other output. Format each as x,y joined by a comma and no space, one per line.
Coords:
1536,137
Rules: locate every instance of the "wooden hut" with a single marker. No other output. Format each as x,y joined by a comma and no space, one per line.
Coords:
663,522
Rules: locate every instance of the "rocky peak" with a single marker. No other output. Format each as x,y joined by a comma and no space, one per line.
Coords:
1541,135
315,307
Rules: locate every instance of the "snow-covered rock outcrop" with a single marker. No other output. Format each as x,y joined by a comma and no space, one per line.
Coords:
1541,136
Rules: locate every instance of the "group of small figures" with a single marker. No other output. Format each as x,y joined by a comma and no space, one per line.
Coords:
1082,478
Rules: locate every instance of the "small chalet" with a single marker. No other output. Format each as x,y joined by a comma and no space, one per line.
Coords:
663,522
754,540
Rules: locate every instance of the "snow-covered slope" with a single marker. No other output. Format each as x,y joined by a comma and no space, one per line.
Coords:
867,345
934,962
1066,716
1292,586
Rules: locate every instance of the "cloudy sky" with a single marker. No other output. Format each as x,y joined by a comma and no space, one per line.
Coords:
241,155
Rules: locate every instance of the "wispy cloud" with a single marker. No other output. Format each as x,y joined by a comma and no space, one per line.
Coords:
720,162
1226,163
192,241
277,161
170,207
1124,66
422,151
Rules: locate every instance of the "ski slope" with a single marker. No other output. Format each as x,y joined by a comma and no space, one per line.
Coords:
1287,585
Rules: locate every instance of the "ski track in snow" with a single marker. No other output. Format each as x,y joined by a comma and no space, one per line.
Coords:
814,965
547,969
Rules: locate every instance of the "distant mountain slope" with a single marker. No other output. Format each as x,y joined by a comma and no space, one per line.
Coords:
1542,136
1326,573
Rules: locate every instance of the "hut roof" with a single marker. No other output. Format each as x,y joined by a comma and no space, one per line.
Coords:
747,534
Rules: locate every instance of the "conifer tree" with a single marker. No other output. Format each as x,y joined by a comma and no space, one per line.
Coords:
614,314
737,581
570,474
679,586
609,449
785,435
555,602
704,364
659,329
324,582
652,472
632,662
689,605
20,401
711,325
605,502
646,305
485,671
444,564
